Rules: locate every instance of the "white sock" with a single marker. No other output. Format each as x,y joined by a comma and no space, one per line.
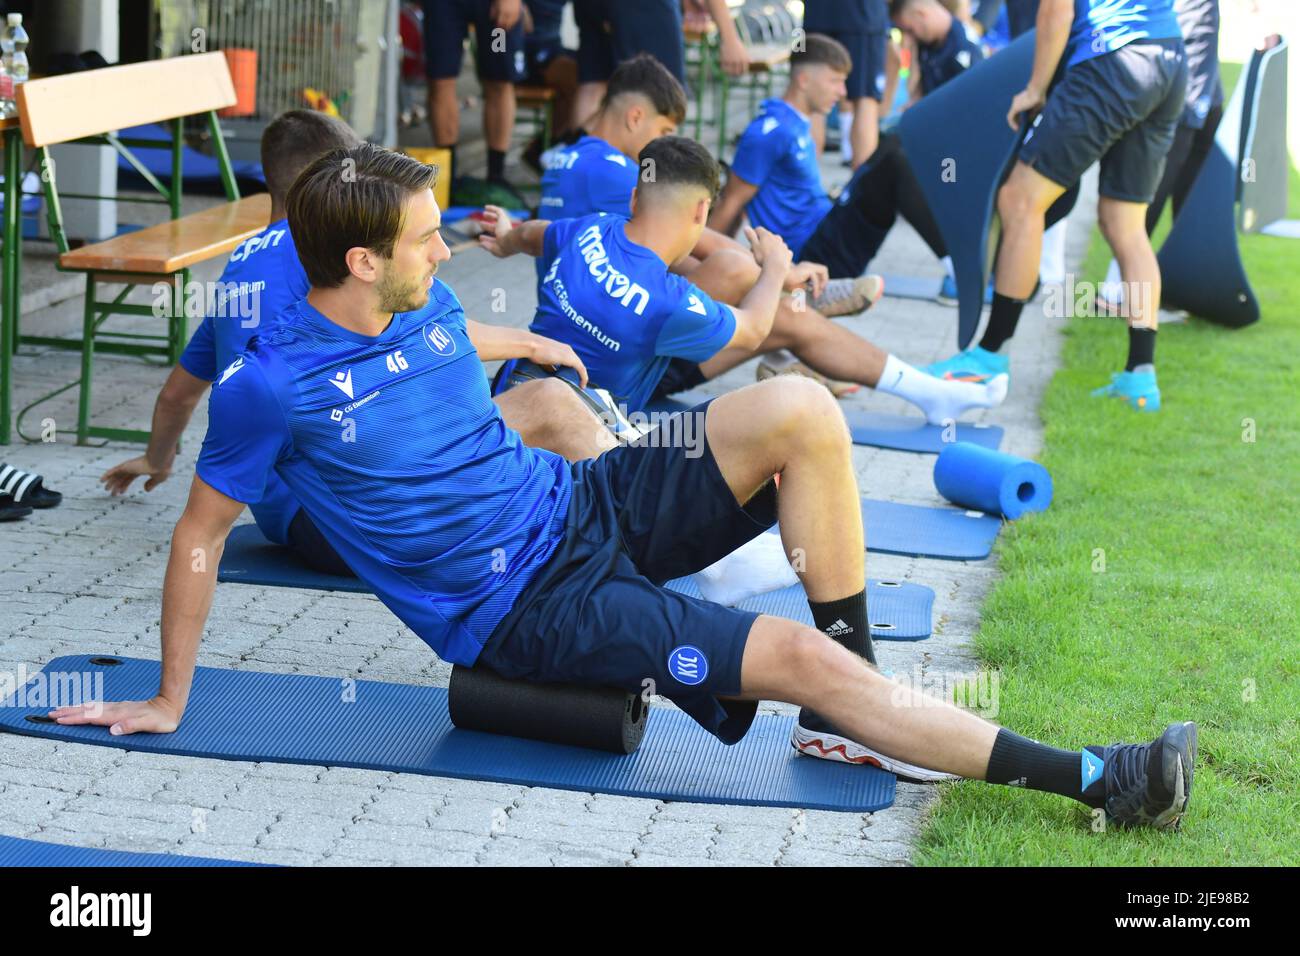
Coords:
1051,267
846,134
754,568
941,399
946,262
1112,290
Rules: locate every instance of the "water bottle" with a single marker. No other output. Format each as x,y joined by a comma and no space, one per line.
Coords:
7,105
16,49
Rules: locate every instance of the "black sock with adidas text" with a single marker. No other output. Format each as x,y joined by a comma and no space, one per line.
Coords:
845,621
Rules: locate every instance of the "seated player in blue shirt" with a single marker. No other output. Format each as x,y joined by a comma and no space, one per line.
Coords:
608,292
261,280
1118,101
507,557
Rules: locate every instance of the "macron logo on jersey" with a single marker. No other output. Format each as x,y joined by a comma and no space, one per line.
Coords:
343,382
617,158
696,305
769,124
231,369
617,285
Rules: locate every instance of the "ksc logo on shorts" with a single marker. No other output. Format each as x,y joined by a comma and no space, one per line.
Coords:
439,339
688,665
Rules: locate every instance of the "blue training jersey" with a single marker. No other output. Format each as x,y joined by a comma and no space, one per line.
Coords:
616,304
395,449
262,278
588,177
776,154
1104,26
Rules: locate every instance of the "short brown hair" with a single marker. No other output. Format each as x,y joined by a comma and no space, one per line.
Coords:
646,76
293,139
819,49
347,198
679,161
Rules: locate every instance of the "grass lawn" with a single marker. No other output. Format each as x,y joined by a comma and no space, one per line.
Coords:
1197,612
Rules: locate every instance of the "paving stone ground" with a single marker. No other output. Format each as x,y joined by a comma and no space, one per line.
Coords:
86,577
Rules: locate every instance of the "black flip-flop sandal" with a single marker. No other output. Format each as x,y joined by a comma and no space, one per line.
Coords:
23,489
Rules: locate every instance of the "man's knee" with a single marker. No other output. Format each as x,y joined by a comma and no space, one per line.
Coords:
814,658
803,411
1123,225
734,273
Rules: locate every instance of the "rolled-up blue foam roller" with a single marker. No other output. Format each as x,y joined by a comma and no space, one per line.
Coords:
991,481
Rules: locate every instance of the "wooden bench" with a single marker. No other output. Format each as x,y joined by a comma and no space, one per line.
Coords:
89,107
540,100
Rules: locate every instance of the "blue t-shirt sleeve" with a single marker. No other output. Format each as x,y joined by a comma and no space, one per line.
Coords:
247,433
200,355
762,144
612,184
697,329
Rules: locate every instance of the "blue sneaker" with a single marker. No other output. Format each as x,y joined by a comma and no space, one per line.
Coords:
975,365
947,292
1138,388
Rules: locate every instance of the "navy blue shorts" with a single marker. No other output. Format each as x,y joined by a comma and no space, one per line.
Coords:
596,612
867,78
611,31
1120,107
446,24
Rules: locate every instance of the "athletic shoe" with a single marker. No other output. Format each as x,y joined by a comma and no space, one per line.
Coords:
783,363
817,737
947,292
1138,388
1151,784
973,365
849,296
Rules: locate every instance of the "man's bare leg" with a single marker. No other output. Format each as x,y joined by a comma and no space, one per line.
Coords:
792,427
547,414
1124,226
586,102
1023,202
444,112
498,114
865,134
824,346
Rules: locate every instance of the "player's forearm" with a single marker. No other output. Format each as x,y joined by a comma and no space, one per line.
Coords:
497,343
1053,32
187,597
171,414
721,14
757,309
526,238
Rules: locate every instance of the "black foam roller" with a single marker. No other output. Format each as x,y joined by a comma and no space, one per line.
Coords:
599,718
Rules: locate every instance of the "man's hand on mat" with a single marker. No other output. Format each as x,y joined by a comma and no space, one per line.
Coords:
1028,101
118,478
496,226
550,352
807,275
156,716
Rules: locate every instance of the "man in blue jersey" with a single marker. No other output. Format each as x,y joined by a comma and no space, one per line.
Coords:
608,292
507,557
261,280
598,173
1118,101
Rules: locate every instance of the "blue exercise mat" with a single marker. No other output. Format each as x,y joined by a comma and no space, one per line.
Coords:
958,143
15,851
900,610
911,287
249,558
322,721
876,429
197,169
922,532
1200,263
